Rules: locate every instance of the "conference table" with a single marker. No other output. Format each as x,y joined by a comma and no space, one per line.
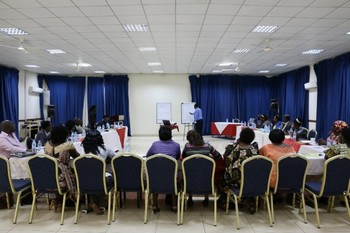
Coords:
227,129
314,153
114,139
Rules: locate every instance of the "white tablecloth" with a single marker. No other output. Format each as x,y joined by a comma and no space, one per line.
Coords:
111,139
315,155
261,138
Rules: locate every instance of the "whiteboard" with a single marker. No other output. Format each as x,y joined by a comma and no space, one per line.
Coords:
163,112
186,117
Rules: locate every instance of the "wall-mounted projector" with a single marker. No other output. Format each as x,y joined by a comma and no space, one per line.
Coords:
36,90
310,85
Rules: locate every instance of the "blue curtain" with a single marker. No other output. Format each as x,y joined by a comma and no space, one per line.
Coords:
67,95
95,95
9,94
333,88
293,99
224,97
117,97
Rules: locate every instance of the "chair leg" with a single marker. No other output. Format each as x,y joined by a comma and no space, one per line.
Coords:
347,204
228,201
237,215
114,205
215,210
63,207
32,209
109,208
7,200
182,207
272,209
316,210
293,202
77,209
303,206
178,208
146,207
266,198
17,205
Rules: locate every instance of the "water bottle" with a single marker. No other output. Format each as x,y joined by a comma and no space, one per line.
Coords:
127,147
226,119
34,146
107,125
294,136
40,145
83,133
329,142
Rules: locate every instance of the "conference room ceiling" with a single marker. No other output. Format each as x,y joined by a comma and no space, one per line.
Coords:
189,36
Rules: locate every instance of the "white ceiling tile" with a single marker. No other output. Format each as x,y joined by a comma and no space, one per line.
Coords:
191,9
345,24
295,22
128,10
340,13
10,14
187,28
328,22
162,28
214,28
89,3
110,28
326,3
21,3
261,2
134,19
223,9
295,2
254,10
66,11
104,20
192,1
35,13
285,11
47,22
81,28
97,11
77,21
189,19
235,2
22,23
218,19
161,19
55,3
274,21
246,20
315,12
123,2
160,9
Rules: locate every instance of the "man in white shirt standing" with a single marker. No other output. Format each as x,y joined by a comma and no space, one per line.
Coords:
9,143
198,119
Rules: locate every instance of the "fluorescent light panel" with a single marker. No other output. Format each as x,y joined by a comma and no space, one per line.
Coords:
55,51
13,31
241,51
228,63
266,29
83,65
147,49
217,71
158,71
99,72
154,64
136,27
264,71
32,66
281,64
313,51
348,33
54,72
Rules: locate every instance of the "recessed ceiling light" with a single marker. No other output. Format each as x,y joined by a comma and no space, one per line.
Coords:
158,71
82,64
54,72
228,70
136,27
348,33
241,51
13,31
99,72
281,64
154,64
264,71
313,51
147,49
217,71
55,51
228,63
267,29
32,66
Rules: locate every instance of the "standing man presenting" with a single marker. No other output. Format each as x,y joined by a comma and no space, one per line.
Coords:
198,119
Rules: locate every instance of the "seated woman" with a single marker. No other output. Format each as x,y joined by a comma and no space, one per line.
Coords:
298,131
334,137
196,145
166,146
276,150
342,148
59,148
235,155
93,144
277,124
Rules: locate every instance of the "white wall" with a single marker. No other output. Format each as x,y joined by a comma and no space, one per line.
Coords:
312,100
29,103
145,90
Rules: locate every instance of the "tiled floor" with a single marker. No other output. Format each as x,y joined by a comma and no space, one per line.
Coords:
197,219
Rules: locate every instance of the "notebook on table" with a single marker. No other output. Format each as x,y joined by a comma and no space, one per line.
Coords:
23,154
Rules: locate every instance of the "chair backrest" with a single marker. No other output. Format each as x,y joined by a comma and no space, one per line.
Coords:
291,173
6,184
336,176
90,172
312,133
256,173
43,171
161,171
128,172
198,174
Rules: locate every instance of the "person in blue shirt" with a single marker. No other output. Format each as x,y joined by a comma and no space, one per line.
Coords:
277,124
198,119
